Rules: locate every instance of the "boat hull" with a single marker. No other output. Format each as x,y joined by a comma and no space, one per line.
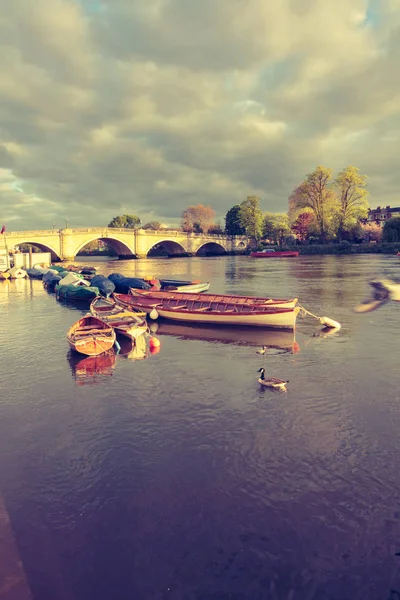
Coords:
195,288
91,336
280,319
185,288
287,254
76,292
92,347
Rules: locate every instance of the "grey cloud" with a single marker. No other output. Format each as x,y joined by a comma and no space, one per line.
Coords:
148,107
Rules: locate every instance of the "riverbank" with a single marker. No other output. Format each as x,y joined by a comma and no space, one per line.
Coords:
347,248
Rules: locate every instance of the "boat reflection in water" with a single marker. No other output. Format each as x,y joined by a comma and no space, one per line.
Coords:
134,349
91,369
274,339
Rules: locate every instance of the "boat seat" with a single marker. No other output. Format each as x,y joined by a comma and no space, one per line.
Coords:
105,332
181,306
86,327
204,308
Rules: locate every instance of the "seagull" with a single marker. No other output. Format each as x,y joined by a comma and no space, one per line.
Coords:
383,291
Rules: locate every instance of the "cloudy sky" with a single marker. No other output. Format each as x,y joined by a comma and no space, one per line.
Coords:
149,106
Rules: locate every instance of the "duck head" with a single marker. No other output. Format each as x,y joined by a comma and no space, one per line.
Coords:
262,371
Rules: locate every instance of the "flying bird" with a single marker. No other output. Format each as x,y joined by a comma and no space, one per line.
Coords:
383,290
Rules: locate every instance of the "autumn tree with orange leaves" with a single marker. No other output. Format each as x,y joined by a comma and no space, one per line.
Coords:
198,219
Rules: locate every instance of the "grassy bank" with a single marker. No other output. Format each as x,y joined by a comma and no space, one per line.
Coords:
347,248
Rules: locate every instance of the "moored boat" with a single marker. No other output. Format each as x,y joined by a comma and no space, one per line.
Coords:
206,299
91,336
34,273
129,323
123,284
4,275
88,270
216,311
76,292
269,253
187,287
50,280
105,285
17,273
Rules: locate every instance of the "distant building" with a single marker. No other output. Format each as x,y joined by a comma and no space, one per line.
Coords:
381,215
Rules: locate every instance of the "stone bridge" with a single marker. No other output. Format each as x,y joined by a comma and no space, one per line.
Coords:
65,244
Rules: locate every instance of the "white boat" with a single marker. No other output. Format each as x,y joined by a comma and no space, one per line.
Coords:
186,287
17,273
73,279
215,311
284,318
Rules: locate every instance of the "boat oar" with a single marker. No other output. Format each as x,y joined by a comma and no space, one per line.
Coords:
325,321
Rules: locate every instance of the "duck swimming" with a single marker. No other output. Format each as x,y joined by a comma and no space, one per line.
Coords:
383,291
272,382
262,350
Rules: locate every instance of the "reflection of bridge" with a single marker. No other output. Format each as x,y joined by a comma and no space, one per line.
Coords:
65,244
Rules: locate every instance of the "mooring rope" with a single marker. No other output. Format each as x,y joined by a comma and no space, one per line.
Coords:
304,312
325,321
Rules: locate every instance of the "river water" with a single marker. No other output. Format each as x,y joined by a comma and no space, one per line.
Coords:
176,477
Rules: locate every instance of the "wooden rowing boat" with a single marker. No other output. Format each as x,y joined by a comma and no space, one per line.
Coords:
91,336
215,311
274,253
129,323
207,299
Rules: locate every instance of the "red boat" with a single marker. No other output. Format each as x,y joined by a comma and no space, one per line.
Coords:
267,253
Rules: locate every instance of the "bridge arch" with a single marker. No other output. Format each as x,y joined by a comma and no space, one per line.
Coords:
121,248
166,247
210,249
40,246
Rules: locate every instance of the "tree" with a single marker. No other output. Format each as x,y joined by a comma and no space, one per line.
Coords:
217,229
125,222
371,232
232,221
251,217
276,226
155,225
301,226
352,194
315,193
391,230
197,218
294,205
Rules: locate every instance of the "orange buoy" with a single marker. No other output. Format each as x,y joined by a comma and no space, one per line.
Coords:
154,349
295,347
154,342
